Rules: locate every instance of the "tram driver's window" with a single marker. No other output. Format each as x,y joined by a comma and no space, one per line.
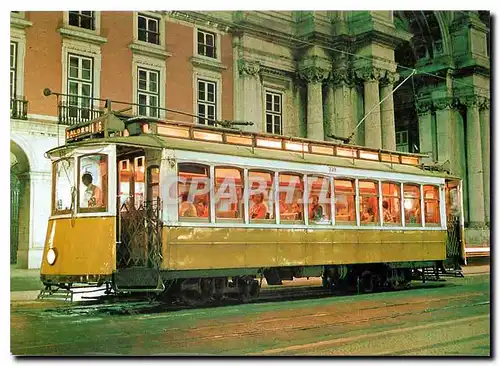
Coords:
411,203
431,202
93,178
64,185
368,202
345,208
319,200
291,193
228,194
261,197
194,192
391,203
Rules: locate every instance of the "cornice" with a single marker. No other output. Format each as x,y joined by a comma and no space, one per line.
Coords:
150,51
204,63
80,35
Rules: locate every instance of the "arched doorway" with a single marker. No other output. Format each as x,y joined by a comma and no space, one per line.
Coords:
19,201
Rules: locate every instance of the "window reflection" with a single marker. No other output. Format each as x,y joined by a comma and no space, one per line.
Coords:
64,171
345,209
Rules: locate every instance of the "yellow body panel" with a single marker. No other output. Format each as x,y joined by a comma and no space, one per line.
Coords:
187,248
84,246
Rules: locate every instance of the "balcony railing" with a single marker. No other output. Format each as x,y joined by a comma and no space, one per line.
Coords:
72,115
18,108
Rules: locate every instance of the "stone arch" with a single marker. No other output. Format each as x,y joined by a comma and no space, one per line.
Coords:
20,204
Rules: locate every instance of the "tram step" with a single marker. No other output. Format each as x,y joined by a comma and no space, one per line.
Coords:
58,295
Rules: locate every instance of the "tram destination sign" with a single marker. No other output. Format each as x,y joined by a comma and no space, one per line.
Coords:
93,128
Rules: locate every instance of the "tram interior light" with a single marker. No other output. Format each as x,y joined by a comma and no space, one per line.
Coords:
408,204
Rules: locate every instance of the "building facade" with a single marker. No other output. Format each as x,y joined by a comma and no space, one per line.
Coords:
299,73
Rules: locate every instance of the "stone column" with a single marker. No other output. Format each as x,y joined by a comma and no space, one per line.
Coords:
330,109
474,164
250,101
425,129
444,129
371,99
343,106
484,116
314,77
387,111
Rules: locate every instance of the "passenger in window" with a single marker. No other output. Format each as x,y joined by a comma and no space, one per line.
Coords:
368,215
259,208
297,211
186,208
315,210
201,208
387,214
93,194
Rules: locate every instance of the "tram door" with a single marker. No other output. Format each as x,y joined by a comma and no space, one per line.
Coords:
138,218
454,214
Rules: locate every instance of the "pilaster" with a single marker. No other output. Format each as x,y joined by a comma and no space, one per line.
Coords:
314,76
250,95
425,130
484,116
387,110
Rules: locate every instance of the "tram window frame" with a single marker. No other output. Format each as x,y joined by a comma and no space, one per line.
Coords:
299,217
271,211
55,211
208,194
341,222
240,199
436,201
151,184
418,211
104,188
326,206
385,197
376,214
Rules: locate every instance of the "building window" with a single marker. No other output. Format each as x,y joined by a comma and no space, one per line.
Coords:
194,192
431,202
402,141
82,19
368,202
345,198
206,44
274,117
13,69
207,102
148,94
80,86
391,203
148,29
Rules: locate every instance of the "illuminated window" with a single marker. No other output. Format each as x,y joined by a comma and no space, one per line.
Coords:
80,86
148,92
207,102
228,194
274,119
345,198
64,184
368,202
194,192
319,200
431,202
261,196
148,29
93,183
82,19
391,203
154,184
206,44
411,197
291,193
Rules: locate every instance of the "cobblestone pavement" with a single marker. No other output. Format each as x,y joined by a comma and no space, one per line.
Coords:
445,318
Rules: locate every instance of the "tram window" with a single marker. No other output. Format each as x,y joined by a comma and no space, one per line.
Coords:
93,178
431,202
228,194
368,202
391,203
319,200
139,182
411,197
194,188
261,196
345,208
153,184
64,183
291,193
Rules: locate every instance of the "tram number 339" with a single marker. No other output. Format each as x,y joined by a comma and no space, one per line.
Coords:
332,169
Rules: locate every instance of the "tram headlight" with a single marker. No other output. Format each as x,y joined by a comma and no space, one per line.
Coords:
51,256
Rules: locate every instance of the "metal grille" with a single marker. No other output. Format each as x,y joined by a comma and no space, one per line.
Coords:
141,235
15,189
453,243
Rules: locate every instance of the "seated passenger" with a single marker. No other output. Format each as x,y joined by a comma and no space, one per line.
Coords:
315,209
186,208
368,215
259,208
297,211
387,214
201,208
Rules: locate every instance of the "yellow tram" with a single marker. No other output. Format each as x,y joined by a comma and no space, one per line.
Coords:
202,212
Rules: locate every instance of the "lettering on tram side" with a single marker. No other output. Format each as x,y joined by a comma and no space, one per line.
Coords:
90,129
332,169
